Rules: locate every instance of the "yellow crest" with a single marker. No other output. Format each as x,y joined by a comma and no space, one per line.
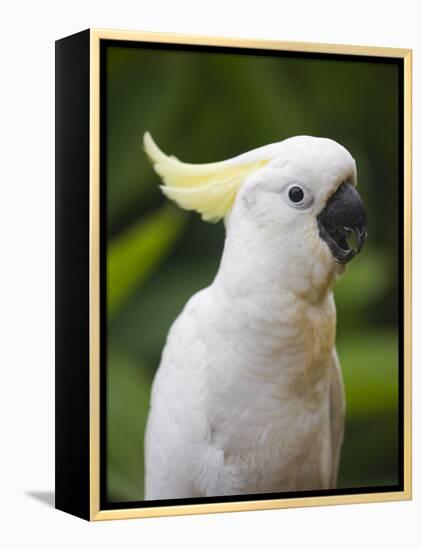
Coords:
209,189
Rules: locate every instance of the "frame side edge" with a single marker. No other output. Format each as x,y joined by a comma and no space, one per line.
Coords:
72,307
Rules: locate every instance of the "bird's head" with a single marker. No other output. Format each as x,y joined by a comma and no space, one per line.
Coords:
295,200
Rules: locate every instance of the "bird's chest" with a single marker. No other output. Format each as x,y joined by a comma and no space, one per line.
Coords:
269,414
276,442
272,353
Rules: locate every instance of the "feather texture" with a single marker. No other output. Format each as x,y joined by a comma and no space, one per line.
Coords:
209,189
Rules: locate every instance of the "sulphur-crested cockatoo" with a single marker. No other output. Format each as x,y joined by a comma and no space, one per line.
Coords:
248,397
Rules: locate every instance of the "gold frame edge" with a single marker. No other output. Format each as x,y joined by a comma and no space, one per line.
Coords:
94,275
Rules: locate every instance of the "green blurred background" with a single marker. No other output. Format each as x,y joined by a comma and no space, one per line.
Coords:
204,107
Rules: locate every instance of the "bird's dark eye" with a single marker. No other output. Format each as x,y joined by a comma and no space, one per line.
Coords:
296,194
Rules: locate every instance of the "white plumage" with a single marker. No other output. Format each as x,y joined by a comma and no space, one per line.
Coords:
248,397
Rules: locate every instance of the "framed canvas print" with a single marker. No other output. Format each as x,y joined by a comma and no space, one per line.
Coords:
233,274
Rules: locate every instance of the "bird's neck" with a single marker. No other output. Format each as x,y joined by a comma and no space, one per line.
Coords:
251,267
281,314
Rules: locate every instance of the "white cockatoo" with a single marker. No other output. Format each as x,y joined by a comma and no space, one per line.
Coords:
248,397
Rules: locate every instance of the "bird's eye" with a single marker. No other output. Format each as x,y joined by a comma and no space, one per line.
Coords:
296,194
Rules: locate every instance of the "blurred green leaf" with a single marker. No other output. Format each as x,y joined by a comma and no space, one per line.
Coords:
371,445
369,364
159,302
134,254
366,279
128,388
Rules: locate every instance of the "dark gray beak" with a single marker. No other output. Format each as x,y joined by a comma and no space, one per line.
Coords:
343,220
